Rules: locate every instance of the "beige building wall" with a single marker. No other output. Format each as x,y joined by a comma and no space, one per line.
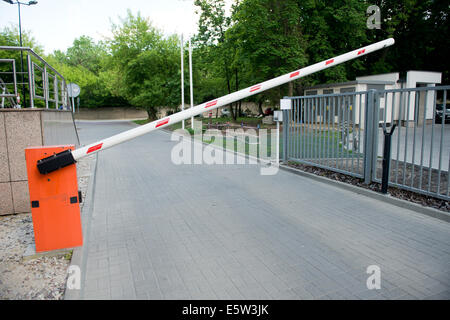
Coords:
19,129
112,113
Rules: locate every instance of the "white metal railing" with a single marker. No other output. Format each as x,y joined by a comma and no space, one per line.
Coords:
344,133
39,75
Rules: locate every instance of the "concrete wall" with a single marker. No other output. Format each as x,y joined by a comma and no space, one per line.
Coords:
111,114
19,129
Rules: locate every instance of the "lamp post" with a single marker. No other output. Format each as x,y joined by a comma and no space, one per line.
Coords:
30,3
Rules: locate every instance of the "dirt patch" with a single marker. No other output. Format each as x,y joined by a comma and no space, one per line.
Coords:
43,278
395,192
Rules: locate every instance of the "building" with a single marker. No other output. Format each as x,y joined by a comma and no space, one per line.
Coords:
351,108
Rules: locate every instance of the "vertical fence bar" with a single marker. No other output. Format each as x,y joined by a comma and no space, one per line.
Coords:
319,129
359,134
385,114
302,120
448,178
368,137
423,139
317,126
376,117
285,134
310,136
308,128
297,128
297,140
294,129
302,134
324,132
399,130
30,80
291,132
344,134
406,136
415,122
444,109
314,123
289,128
46,88
430,167
353,131
339,132
347,126
294,126
328,130
332,130
342,129
55,85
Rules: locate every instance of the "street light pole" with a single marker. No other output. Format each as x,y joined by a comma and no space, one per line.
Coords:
21,58
20,39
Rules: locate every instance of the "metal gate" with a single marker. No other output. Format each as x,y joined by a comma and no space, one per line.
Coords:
344,133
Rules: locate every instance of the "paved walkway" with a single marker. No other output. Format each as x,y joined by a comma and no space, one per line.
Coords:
161,231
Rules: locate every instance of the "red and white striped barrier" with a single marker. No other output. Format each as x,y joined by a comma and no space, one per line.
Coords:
217,103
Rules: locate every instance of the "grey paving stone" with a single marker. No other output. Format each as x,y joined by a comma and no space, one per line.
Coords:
160,231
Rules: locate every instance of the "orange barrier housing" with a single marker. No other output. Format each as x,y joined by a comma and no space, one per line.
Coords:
55,202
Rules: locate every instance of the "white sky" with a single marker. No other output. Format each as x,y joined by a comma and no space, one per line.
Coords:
56,23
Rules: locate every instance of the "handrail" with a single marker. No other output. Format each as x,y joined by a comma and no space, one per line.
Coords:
54,74
6,95
10,48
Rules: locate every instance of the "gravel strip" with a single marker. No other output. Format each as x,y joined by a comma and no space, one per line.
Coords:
424,200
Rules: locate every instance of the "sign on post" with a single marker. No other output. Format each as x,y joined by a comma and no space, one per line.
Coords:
73,91
285,104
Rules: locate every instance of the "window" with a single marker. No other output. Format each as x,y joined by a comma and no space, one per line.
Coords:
349,89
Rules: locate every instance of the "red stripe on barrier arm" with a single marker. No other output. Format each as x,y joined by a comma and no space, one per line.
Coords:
361,51
294,74
329,61
255,88
211,104
162,122
95,148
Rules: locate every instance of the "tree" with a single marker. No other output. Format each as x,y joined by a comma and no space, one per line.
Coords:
270,41
420,29
84,52
146,64
213,24
86,63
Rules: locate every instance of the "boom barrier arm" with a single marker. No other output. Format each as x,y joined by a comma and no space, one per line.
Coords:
68,157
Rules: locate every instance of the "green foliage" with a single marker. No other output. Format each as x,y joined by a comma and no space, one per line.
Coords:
260,39
147,64
85,53
421,32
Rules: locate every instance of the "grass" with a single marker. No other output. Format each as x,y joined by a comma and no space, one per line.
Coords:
248,121
68,255
141,122
321,144
307,143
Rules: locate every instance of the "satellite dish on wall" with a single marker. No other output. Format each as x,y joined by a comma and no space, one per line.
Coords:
73,90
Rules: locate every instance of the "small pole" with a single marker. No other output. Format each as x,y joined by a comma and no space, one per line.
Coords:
386,157
278,143
21,56
3,98
182,79
190,81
